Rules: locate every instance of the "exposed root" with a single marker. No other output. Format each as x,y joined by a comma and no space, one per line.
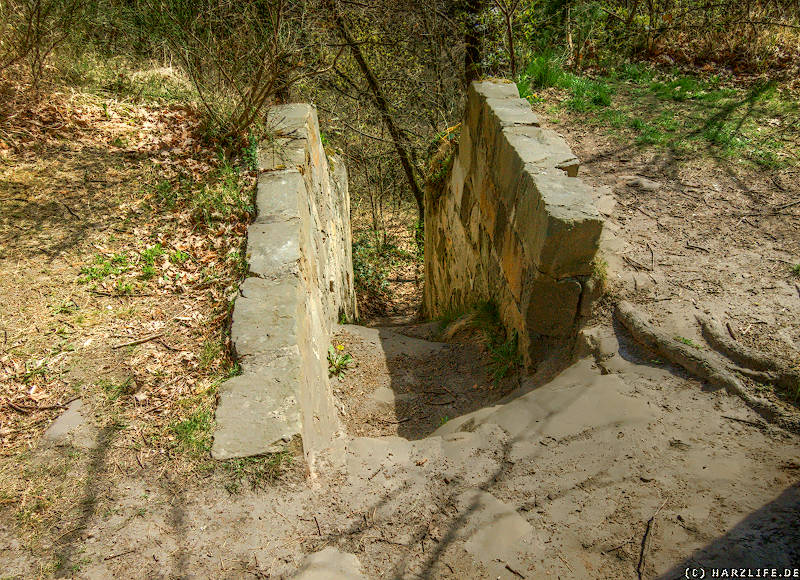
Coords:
765,368
699,364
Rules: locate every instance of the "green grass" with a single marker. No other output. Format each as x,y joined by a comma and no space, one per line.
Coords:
687,342
178,257
225,196
149,255
255,472
795,270
194,432
502,345
102,268
689,115
115,390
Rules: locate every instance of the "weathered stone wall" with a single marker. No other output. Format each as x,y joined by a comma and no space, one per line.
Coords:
300,283
512,224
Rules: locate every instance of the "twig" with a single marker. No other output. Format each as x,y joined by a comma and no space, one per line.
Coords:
319,530
645,538
403,420
637,266
730,330
100,293
745,421
120,554
168,347
696,247
138,341
514,572
69,209
25,410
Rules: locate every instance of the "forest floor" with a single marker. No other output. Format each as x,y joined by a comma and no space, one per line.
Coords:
116,276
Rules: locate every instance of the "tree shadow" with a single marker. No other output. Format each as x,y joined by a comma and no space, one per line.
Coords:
74,203
68,544
767,538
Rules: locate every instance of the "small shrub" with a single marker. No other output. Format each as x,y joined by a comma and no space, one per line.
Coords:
504,357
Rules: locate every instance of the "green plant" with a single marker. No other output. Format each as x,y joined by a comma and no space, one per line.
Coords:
338,361
795,270
150,254
148,272
124,287
600,271
443,420
178,257
102,268
371,267
211,349
543,71
504,357
687,342
250,153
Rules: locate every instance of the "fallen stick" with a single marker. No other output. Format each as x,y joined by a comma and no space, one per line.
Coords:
643,551
698,363
138,341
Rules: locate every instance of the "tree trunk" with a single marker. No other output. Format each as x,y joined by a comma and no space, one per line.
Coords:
383,107
472,40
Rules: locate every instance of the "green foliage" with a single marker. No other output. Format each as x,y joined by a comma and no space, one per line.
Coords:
600,271
685,114
210,351
504,356
795,270
338,361
102,268
371,266
586,94
179,257
545,70
250,153
149,255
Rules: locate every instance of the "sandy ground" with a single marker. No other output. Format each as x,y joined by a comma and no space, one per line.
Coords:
560,482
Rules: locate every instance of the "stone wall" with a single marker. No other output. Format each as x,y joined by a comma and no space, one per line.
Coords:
300,283
512,224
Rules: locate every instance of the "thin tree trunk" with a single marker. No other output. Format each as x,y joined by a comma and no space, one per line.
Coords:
383,107
472,40
510,34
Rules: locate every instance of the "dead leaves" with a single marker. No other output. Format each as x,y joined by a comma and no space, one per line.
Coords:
178,293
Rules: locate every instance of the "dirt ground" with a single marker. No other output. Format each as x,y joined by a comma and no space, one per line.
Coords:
622,467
